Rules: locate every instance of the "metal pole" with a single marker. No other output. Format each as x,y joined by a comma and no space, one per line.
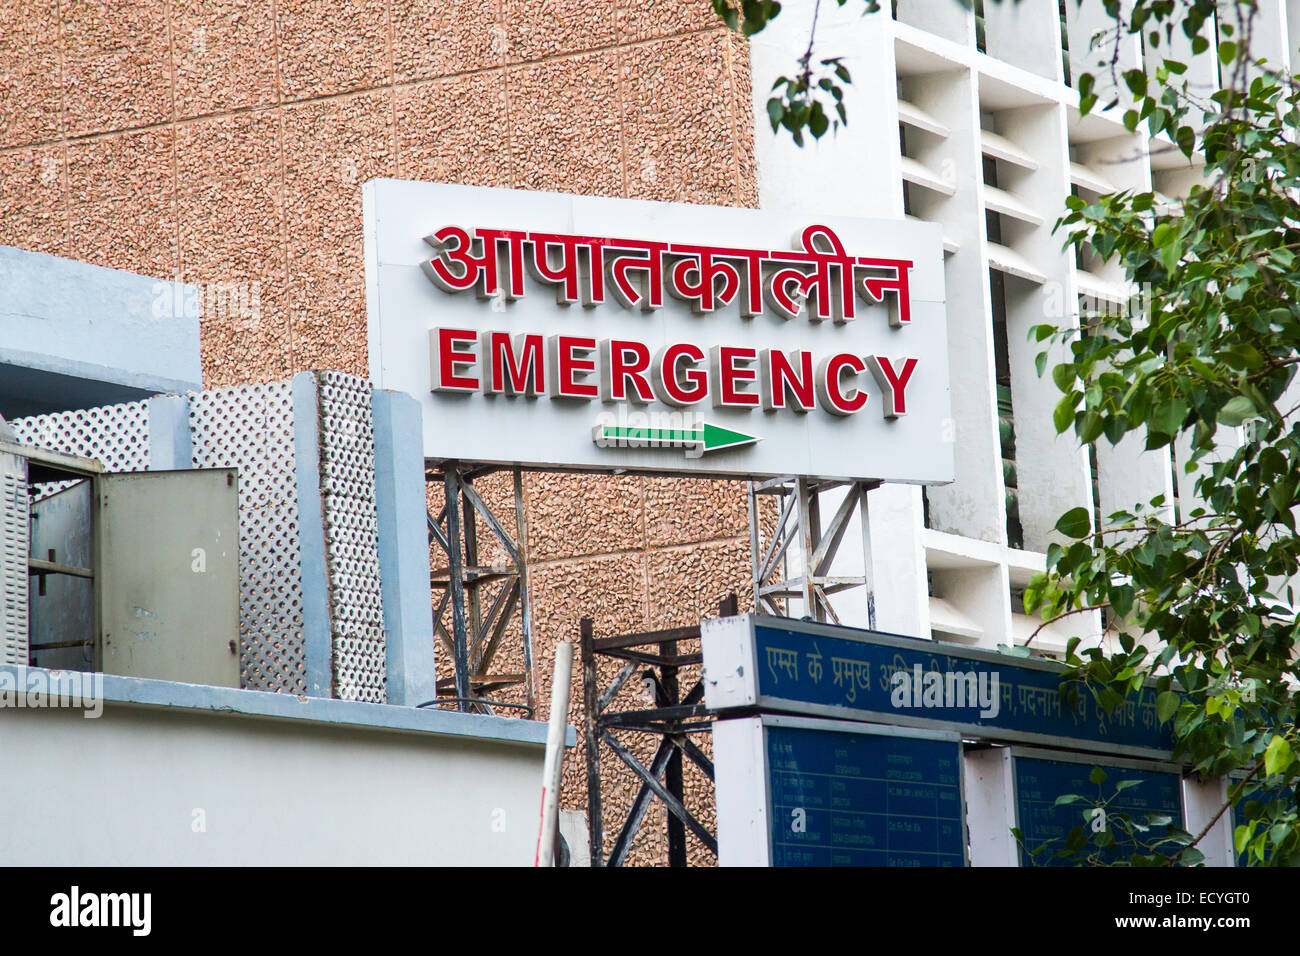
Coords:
868,567
591,736
673,772
473,602
554,762
525,602
456,582
754,558
807,544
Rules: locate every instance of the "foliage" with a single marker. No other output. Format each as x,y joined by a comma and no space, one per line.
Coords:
812,99
1200,597
1109,836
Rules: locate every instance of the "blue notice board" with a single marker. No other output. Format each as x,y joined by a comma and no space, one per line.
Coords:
1039,780
853,797
847,673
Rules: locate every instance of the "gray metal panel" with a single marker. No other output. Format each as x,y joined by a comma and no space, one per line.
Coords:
66,611
14,531
168,547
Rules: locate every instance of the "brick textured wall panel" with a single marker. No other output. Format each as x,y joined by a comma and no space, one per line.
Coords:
685,584
31,76
677,120
330,147
609,590
231,197
122,202
537,30
684,510
224,54
251,348
116,65
436,39
231,203
566,128
471,118
33,213
332,46
571,516
652,21
742,123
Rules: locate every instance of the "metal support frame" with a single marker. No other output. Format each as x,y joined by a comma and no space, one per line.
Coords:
800,539
483,598
674,717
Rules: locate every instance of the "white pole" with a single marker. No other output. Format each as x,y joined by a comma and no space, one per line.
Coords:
554,755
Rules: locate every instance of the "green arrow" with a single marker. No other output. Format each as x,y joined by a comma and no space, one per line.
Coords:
709,437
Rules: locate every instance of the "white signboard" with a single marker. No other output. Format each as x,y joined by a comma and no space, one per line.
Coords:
566,331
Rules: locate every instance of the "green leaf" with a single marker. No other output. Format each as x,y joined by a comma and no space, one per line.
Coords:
1164,234
1075,523
1167,705
1240,837
1097,776
1237,410
818,123
1063,376
1121,599
1278,755
775,110
1064,414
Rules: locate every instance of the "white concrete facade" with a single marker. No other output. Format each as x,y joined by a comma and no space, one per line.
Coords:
169,774
981,132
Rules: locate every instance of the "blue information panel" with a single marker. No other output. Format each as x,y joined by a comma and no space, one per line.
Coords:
862,675
1039,781
863,799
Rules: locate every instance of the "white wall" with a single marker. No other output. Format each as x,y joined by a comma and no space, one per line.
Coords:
123,790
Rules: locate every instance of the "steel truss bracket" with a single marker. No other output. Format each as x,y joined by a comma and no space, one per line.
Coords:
800,542
484,599
674,718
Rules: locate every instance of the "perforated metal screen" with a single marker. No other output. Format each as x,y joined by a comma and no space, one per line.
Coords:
347,453
250,428
117,436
